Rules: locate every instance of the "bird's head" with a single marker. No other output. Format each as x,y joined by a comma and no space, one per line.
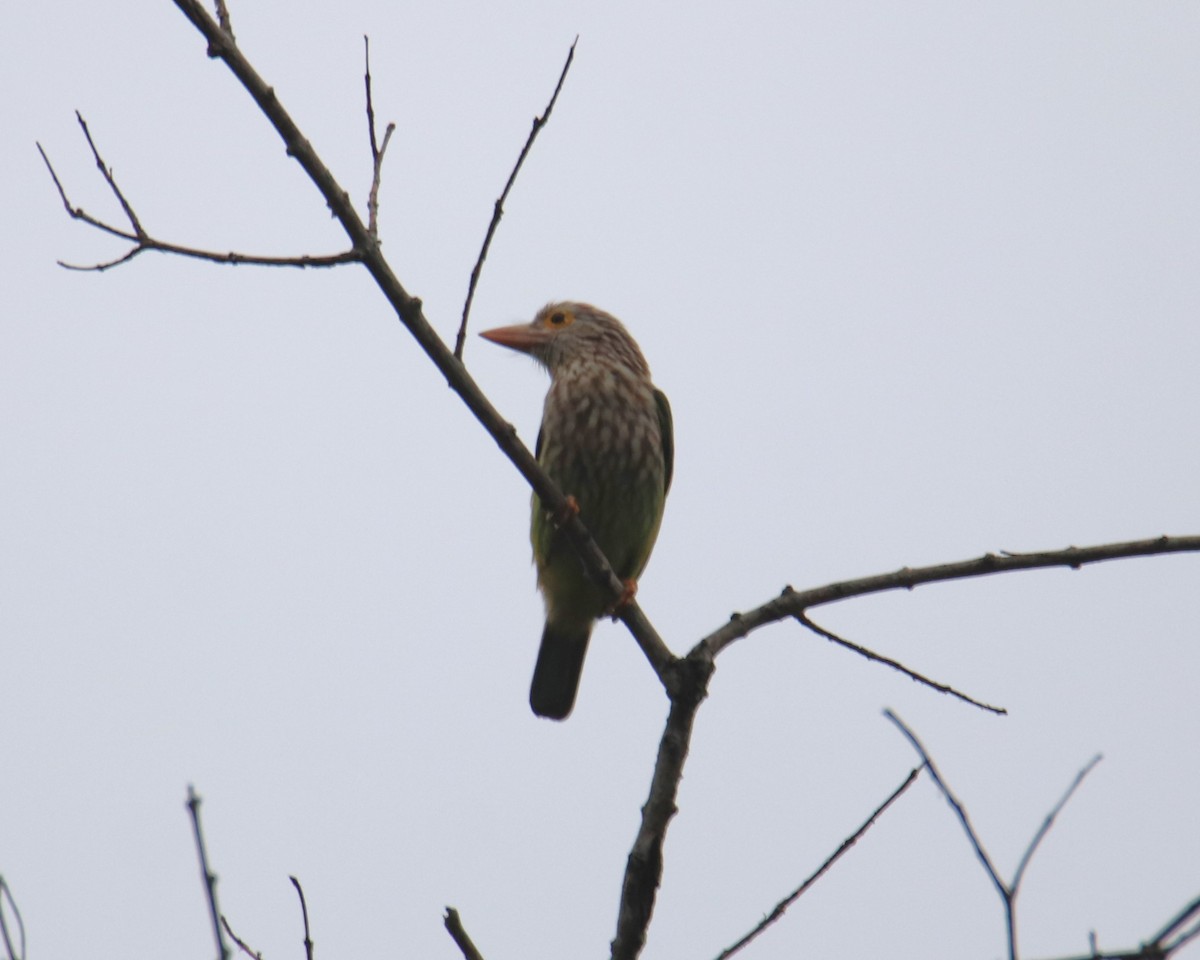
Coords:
566,333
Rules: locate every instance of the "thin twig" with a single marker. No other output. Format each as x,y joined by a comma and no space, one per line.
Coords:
106,172
1008,891
792,602
498,208
687,686
377,151
1157,948
846,844
224,21
241,944
1049,822
895,665
6,895
951,799
308,944
408,309
210,879
455,928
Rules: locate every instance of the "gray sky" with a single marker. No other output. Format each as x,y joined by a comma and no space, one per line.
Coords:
920,281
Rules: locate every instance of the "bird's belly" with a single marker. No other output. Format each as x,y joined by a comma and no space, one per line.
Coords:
620,495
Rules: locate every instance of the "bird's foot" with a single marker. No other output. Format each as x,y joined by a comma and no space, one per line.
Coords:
626,597
567,512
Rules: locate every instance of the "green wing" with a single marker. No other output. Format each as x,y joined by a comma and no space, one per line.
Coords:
666,427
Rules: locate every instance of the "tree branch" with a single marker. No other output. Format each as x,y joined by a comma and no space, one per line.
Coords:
308,944
377,151
455,928
239,942
643,869
792,603
142,241
1187,915
498,207
1007,891
210,879
795,895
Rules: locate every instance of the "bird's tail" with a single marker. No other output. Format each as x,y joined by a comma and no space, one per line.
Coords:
559,665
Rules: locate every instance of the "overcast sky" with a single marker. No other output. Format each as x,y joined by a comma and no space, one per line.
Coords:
921,281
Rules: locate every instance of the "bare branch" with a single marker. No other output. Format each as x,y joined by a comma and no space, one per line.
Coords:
308,944
1189,914
377,151
1049,822
795,895
455,928
895,665
959,811
686,680
792,602
498,209
210,879
142,241
643,869
1157,948
6,896
1008,891
241,944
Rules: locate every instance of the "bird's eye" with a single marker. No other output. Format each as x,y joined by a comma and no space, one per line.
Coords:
558,318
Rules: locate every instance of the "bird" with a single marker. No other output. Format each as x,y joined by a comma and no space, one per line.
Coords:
607,441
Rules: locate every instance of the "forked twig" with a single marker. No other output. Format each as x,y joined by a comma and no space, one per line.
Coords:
1049,822
377,151
791,602
223,19
1159,947
143,241
685,680
308,944
1007,891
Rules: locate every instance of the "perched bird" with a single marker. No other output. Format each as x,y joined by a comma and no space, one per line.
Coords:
606,441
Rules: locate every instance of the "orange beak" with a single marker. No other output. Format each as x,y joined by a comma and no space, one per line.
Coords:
522,336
